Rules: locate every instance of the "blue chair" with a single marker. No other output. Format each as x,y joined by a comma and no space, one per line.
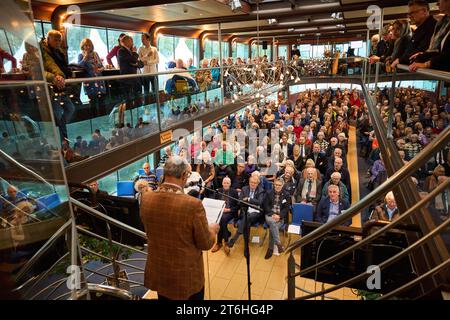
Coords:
268,185
125,188
48,202
301,212
141,171
159,173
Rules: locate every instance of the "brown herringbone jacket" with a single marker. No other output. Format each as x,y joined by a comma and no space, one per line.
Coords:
177,232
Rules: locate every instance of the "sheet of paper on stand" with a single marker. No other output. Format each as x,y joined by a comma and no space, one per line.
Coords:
214,209
294,229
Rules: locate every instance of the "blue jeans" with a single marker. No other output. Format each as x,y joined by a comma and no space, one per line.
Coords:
63,110
274,228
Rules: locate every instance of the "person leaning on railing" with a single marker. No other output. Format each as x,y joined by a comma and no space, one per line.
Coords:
56,71
419,14
93,66
129,63
438,53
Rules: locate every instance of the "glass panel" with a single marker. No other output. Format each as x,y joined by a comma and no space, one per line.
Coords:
33,192
131,171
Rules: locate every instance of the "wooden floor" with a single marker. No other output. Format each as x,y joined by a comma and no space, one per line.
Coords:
226,276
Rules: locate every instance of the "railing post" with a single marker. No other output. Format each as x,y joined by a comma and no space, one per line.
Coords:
391,105
377,71
158,107
291,279
222,70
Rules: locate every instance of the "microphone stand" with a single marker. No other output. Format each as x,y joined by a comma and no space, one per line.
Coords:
246,233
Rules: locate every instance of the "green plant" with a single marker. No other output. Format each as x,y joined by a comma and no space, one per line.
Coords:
367,295
102,247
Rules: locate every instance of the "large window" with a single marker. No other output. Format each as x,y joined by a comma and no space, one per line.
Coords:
283,52
212,49
13,45
42,28
305,51
171,48
103,39
262,52
240,50
76,34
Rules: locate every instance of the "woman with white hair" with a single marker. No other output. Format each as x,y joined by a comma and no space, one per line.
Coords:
343,141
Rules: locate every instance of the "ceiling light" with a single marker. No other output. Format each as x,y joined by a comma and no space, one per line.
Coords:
272,21
324,20
319,6
285,23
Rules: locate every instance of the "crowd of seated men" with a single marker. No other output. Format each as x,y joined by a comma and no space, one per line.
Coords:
307,164
418,118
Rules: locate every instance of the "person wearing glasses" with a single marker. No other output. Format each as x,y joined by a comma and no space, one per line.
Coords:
419,14
177,232
436,56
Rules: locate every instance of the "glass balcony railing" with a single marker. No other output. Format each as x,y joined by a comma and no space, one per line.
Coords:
33,190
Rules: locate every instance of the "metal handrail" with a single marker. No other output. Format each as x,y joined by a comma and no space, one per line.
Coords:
18,83
41,277
107,218
109,259
410,284
383,264
405,172
383,230
92,234
44,248
438,74
100,288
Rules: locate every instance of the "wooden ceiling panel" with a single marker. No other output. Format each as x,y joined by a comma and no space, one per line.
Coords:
178,11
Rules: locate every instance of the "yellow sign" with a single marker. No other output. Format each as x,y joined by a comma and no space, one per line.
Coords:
166,136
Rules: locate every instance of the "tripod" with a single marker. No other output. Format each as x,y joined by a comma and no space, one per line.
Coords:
246,233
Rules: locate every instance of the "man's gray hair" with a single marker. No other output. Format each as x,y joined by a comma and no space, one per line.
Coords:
175,166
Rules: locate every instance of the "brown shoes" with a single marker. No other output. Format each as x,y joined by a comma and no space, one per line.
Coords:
226,248
280,248
216,247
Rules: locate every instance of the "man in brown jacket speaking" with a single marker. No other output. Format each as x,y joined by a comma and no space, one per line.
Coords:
177,232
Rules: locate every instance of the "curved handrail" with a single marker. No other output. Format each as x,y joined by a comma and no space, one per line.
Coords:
438,74
441,140
100,288
410,284
107,218
383,264
388,226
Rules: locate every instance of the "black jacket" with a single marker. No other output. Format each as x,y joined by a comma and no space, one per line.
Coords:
129,62
269,200
420,40
320,162
257,199
323,210
232,204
